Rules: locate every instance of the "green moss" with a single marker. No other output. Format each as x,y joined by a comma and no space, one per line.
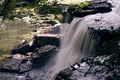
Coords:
47,9
8,6
78,7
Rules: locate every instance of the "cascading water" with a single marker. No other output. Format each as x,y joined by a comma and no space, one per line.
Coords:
116,5
77,43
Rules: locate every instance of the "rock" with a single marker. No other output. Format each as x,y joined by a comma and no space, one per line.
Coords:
55,29
106,30
11,66
42,55
7,56
99,6
44,51
18,56
52,23
20,77
101,67
34,30
22,48
25,67
16,66
46,39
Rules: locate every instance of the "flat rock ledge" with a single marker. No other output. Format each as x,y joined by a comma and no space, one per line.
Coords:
96,6
36,42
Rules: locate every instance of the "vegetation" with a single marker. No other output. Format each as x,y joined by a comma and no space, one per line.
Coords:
81,6
7,8
45,8
78,7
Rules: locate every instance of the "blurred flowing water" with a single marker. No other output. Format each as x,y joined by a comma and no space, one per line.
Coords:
78,42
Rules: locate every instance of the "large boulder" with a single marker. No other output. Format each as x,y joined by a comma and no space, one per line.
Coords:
22,47
11,66
38,41
16,66
46,39
42,55
92,7
105,67
107,31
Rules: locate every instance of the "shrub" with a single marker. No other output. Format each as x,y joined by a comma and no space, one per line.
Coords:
50,9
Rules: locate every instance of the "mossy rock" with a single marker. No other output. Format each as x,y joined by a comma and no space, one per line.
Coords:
89,7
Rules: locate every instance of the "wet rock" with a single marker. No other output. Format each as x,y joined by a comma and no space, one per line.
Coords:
43,51
52,23
45,39
55,29
19,56
20,77
11,66
99,6
108,69
23,63
21,48
42,55
16,66
25,67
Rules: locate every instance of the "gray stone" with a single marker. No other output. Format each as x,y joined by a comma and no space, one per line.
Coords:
108,69
11,66
42,40
99,6
16,66
22,48
41,56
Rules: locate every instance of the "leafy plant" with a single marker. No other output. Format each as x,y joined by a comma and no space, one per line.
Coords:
8,6
45,8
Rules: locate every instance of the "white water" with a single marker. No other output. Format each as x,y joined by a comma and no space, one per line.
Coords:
116,5
79,42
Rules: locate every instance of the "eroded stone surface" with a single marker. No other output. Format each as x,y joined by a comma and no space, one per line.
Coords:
98,68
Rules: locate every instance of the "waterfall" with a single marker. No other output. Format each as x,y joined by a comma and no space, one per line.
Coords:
116,5
117,8
77,43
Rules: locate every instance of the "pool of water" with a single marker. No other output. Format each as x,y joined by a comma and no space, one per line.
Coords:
11,33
